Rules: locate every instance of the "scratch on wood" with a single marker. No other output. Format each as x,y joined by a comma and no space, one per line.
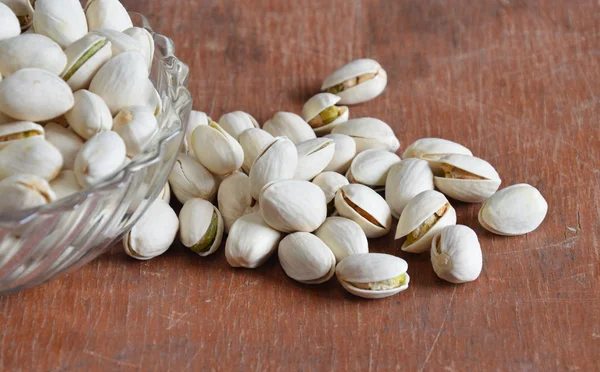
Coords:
439,331
103,357
567,243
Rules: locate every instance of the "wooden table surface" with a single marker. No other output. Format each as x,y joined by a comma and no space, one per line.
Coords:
515,81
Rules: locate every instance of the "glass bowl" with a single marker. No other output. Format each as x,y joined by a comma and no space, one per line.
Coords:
39,243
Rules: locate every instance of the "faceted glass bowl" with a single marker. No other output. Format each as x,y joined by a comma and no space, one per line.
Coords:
39,243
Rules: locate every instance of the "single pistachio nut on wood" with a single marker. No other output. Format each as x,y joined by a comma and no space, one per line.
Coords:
369,133
321,113
432,150
356,82
190,179
34,94
195,119
290,125
146,41
306,259
154,232
9,23
31,50
467,178
34,156
100,157
165,193
406,180
251,242
343,236
89,115
65,184
456,254
366,207
515,210
84,58
66,141
373,275
422,218
293,205
137,126
234,198
236,122
24,191
216,149
23,10
313,156
19,130
61,20
330,183
109,14
371,167
201,226
345,151
276,161
253,140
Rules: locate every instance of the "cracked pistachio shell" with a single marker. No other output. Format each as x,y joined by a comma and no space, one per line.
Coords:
34,94
330,183
234,198
468,179
251,242
456,254
110,14
89,115
22,9
84,58
31,50
369,133
419,211
345,151
165,193
384,273
34,156
343,236
65,184
146,41
195,119
313,156
306,259
9,23
406,180
371,167
237,122
216,149
290,125
432,149
515,210
137,126
23,191
66,141
201,226
356,82
190,179
276,161
252,141
293,205
100,157
366,207
61,20
154,232
19,130
316,105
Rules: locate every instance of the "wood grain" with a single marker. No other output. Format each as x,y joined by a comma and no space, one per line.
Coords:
516,81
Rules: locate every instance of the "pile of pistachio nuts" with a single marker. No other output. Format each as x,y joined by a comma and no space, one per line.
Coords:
315,187
76,102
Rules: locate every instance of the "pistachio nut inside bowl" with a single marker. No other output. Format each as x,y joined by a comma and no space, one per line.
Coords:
37,244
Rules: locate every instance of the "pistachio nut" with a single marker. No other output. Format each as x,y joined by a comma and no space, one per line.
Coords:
23,10
195,119
34,94
100,157
290,125
356,82
89,115
321,113
146,41
33,155
234,198
66,141
366,207
201,226
422,218
293,205
9,23
121,43
61,20
373,275
432,149
406,180
369,133
84,58
456,254
515,210
137,126
236,122
109,14
345,151
19,130
252,141
330,183
467,178
154,232
251,242
24,191
343,236
165,193
189,179
371,167
65,184
306,259
218,151
313,156
31,50
276,161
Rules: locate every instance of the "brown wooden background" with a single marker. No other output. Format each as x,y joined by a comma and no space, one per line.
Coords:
516,81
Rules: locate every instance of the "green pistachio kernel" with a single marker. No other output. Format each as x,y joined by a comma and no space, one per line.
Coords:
383,285
86,56
209,237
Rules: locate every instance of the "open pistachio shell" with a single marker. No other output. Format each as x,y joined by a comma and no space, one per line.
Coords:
356,82
19,130
251,242
23,191
154,233
432,149
406,180
289,125
84,58
345,151
366,207
306,259
89,115
276,161
371,167
23,10
137,126
65,184
9,23
33,155
190,179
201,226
100,157
321,113
216,149
236,122
61,20
467,178
66,141
343,236
369,133
234,198
195,119
313,156
456,254
31,50
253,140
109,14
